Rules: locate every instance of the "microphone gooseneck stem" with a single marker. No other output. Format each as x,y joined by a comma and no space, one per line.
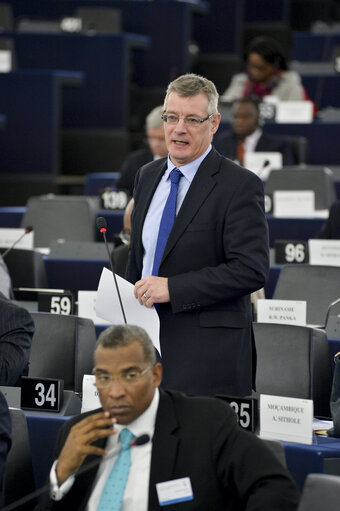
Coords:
114,276
12,246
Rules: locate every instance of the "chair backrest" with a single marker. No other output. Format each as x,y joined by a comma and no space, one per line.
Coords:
294,361
67,217
26,268
6,16
19,476
299,147
320,491
62,347
319,180
318,285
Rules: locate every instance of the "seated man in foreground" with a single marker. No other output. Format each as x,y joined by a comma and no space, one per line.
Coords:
198,439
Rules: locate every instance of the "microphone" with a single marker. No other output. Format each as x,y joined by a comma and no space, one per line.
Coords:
136,442
102,226
140,440
27,230
264,166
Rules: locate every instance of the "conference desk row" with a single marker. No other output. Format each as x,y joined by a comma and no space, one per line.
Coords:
279,228
323,456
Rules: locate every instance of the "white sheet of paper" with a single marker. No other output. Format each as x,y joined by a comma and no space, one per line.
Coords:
108,306
91,399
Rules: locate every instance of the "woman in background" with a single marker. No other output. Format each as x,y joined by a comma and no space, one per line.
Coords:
266,74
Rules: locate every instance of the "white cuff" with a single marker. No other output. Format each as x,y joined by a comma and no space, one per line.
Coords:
58,492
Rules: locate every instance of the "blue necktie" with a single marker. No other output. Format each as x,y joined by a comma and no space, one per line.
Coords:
113,492
167,220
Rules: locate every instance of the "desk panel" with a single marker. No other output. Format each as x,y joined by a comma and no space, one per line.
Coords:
293,228
305,459
167,23
43,432
74,274
323,89
323,139
301,459
32,102
314,47
104,59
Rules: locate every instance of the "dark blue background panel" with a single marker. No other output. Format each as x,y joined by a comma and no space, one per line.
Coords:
167,23
32,101
314,47
323,139
103,100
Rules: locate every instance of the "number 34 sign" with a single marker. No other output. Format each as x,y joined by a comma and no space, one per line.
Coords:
44,394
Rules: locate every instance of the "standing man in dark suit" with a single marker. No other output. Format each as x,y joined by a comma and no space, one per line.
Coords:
331,228
5,441
216,253
193,438
16,332
154,149
246,135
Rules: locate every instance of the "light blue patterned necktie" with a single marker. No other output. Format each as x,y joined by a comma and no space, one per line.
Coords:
113,492
167,220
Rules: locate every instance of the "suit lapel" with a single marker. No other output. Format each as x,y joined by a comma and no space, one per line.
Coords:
151,180
199,190
164,447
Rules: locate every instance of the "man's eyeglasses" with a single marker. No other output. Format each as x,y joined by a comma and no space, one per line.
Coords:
104,380
192,122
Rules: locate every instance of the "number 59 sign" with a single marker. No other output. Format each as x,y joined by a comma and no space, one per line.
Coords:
61,303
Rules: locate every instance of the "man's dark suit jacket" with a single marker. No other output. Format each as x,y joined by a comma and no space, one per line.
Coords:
134,161
16,332
199,438
5,440
331,228
216,255
226,144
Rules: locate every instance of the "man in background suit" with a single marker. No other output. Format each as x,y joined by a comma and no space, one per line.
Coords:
154,149
247,135
5,441
216,253
194,438
16,332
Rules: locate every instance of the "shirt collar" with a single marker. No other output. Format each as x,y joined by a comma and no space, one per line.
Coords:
254,137
189,170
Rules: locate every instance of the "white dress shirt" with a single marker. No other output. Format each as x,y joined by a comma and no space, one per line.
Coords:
137,488
154,214
251,141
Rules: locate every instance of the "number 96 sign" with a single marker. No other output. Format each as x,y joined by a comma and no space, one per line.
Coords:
291,252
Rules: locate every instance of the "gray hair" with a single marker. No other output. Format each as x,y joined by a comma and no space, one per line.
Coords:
124,335
191,84
153,119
